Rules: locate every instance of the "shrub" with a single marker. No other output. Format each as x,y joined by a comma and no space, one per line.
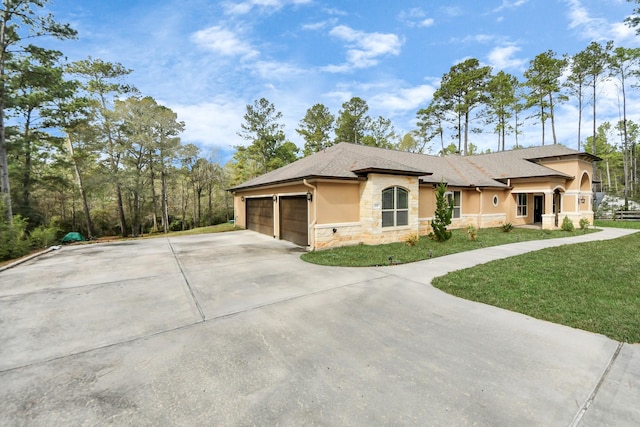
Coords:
584,223
412,239
472,231
567,224
507,227
442,217
43,237
14,241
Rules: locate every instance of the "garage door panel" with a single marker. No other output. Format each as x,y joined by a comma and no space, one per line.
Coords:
260,215
294,220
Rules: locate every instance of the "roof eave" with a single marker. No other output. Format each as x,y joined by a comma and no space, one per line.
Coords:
583,155
290,181
384,171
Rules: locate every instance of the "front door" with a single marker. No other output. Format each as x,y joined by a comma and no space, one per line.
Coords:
538,203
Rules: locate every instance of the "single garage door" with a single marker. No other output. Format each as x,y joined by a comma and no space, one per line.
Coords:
260,215
293,219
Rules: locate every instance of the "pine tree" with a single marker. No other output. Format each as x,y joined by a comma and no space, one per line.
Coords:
443,213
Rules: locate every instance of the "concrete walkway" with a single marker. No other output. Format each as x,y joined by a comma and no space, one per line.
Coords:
234,329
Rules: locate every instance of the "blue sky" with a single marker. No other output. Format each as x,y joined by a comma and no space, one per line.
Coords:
207,60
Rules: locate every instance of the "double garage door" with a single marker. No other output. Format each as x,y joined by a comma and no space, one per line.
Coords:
293,217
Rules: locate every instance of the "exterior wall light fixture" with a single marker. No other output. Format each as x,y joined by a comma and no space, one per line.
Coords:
275,198
242,198
582,199
309,196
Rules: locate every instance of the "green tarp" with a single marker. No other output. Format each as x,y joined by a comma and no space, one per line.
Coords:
74,236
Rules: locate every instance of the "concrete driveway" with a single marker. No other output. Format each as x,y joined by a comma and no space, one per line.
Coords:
234,329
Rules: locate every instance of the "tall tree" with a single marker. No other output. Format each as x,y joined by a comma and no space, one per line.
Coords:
352,121
103,83
597,57
262,129
576,84
633,21
501,104
430,122
518,109
464,88
20,22
381,134
39,89
543,81
164,150
611,155
136,124
315,127
150,132
80,134
195,171
623,63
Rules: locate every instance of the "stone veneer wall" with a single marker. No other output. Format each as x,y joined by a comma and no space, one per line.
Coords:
345,234
371,208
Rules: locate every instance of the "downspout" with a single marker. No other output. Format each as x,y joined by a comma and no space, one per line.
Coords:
312,224
479,213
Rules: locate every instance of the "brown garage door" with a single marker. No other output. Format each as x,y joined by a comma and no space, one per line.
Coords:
260,215
293,219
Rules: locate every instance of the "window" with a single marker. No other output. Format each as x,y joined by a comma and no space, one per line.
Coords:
395,207
522,205
495,200
455,199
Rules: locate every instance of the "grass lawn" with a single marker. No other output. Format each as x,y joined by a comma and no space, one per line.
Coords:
219,228
365,255
592,286
617,224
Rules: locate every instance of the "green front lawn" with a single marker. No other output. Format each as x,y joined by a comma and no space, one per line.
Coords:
365,255
617,224
593,286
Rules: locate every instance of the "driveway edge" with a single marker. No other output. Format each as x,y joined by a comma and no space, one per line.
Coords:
29,258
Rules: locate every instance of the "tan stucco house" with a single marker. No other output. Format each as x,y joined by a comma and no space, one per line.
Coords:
349,194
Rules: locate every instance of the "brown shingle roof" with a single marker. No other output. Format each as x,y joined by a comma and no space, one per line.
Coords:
519,163
347,161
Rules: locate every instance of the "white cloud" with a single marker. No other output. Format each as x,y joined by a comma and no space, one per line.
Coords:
599,29
621,31
502,57
506,4
415,17
245,7
212,124
475,38
452,11
314,26
273,70
427,22
364,49
401,100
223,41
